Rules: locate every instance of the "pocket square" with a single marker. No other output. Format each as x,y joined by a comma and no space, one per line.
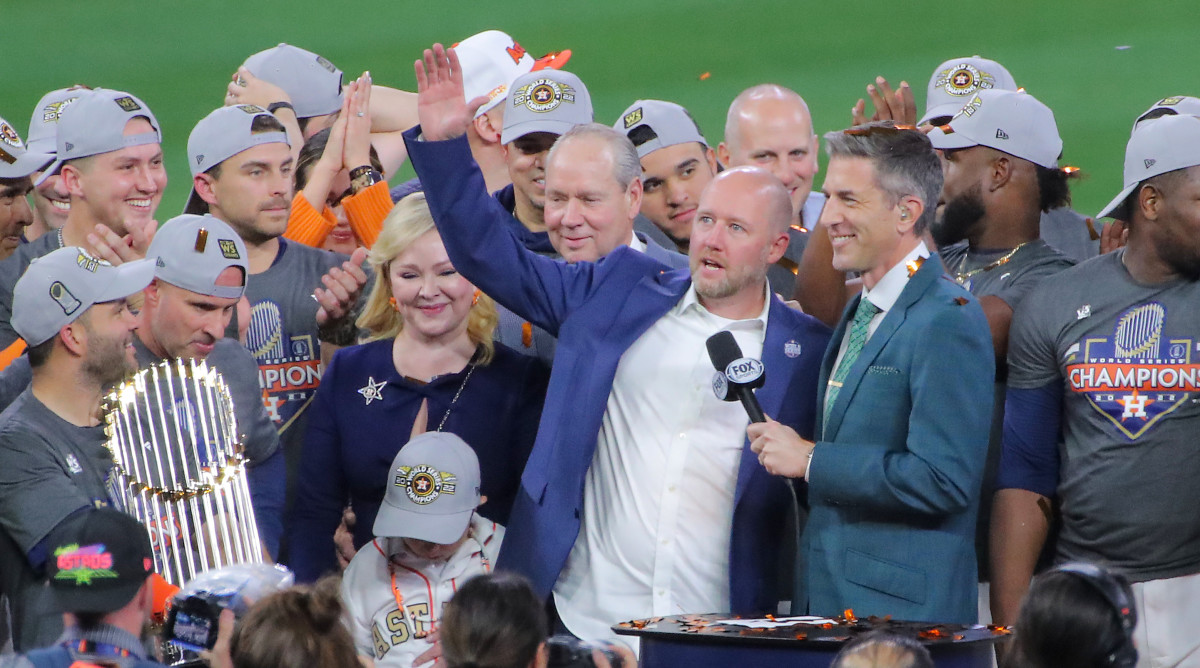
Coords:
885,370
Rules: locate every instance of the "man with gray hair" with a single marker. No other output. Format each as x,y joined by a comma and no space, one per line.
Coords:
894,472
769,126
641,496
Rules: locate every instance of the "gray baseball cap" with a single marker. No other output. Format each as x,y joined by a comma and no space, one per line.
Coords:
16,160
1157,146
546,100
43,126
221,135
654,124
313,84
954,81
1009,121
95,124
1170,106
192,251
432,490
58,287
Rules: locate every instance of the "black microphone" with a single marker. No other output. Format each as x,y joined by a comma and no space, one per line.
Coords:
737,377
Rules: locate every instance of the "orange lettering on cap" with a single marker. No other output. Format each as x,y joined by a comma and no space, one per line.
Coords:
516,52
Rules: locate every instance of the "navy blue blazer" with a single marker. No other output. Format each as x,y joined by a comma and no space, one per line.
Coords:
895,477
597,310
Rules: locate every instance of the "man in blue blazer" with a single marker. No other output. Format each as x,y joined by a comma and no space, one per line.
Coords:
905,401
635,458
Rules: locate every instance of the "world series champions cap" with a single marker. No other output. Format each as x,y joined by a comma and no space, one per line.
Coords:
221,135
192,251
432,490
551,101
95,124
313,84
490,60
1009,121
955,80
1157,146
58,287
16,159
1171,106
655,124
43,125
98,561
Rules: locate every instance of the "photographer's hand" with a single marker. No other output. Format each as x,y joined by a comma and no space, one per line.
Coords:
219,656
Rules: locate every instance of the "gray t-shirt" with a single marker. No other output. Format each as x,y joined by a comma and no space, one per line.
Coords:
49,469
1067,230
282,337
1128,465
11,270
1011,282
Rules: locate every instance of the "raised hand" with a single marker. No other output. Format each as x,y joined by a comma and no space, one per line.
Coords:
898,106
441,109
357,110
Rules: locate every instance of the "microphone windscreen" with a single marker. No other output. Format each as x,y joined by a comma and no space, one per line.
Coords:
723,349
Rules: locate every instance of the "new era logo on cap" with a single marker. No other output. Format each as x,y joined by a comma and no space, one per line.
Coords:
1149,162
1001,134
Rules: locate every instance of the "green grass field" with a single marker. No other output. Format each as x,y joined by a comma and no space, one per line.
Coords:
177,55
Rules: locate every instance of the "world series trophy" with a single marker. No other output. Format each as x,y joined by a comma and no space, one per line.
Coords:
180,468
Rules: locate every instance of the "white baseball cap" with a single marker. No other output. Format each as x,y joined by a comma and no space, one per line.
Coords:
655,124
60,286
95,124
1169,106
1009,121
43,126
1158,146
551,101
955,80
490,60
16,160
432,490
313,84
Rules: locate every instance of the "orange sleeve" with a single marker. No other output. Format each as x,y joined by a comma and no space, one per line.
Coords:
12,352
366,210
306,225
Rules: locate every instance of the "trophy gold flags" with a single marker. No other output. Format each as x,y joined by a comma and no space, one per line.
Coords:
181,469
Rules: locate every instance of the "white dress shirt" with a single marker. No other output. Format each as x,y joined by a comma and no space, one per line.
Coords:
658,498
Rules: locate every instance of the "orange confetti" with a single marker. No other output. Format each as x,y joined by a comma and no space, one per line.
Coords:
705,76
849,615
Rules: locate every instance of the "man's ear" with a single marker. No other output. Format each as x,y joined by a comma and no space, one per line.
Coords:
205,186
911,209
74,338
487,127
1000,173
633,196
72,180
722,154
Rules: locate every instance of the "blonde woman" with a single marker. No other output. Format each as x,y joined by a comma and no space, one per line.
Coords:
429,365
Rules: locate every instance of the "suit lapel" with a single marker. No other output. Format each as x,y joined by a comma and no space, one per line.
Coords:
773,391
917,286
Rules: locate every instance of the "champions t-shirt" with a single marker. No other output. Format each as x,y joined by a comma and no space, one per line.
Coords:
1128,355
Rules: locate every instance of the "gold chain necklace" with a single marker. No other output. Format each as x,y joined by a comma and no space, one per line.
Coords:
962,276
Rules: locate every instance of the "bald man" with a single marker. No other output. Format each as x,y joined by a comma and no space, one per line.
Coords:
641,496
769,126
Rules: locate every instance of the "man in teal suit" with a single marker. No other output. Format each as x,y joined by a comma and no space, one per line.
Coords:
903,408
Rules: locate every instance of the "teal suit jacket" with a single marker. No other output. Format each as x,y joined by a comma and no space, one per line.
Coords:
895,477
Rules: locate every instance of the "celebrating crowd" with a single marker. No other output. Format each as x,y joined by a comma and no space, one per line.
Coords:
973,403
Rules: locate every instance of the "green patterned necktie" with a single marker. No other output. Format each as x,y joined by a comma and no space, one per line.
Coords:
859,328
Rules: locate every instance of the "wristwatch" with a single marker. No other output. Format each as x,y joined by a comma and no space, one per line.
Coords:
363,177
275,106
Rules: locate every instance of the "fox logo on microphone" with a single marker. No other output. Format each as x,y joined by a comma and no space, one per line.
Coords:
744,370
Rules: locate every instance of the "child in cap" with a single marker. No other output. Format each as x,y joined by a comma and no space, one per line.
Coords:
428,540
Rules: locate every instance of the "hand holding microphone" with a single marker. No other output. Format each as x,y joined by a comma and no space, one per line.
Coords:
780,449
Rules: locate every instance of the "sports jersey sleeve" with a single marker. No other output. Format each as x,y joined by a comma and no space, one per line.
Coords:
306,225
1032,356
365,211
356,619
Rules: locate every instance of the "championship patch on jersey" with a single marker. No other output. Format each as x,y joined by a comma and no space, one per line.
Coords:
633,118
52,113
127,103
1137,375
964,79
424,484
542,95
9,136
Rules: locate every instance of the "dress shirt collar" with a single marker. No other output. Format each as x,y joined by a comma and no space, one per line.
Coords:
691,301
636,244
888,289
